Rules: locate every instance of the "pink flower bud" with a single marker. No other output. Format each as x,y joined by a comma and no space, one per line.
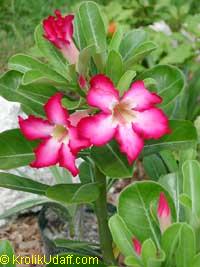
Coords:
137,246
82,81
59,31
163,213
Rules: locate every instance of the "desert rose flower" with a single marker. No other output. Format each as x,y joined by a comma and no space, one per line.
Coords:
163,213
60,142
59,31
137,246
129,119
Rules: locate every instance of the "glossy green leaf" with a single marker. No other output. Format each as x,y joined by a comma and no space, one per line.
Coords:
77,246
71,104
111,161
154,166
125,81
33,69
22,206
131,41
8,252
15,150
173,184
114,66
170,81
84,59
139,53
121,235
196,261
74,193
86,172
169,242
51,53
191,184
138,199
32,97
61,175
91,25
186,248
116,40
20,183
183,135
132,261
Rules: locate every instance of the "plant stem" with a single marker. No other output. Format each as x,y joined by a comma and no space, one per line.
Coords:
102,217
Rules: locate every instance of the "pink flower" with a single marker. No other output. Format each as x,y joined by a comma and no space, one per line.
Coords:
59,31
60,140
137,246
129,119
163,213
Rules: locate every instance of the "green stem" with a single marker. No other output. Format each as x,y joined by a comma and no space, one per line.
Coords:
102,217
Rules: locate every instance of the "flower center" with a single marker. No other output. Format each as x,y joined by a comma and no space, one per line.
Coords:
122,113
60,133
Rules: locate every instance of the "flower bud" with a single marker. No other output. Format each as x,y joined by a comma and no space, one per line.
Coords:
59,31
163,213
137,246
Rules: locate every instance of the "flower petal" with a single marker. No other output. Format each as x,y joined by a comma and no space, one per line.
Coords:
130,142
55,113
98,129
75,142
67,159
102,93
35,128
77,116
47,153
140,98
151,123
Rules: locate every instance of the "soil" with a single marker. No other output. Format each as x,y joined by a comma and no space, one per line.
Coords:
24,235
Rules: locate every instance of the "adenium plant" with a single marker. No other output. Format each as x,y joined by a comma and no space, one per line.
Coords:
83,99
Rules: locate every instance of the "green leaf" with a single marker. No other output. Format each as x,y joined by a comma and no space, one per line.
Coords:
86,172
15,150
33,69
183,135
71,104
150,256
8,252
171,182
84,59
77,246
132,261
191,184
196,261
169,242
61,175
74,193
32,97
131,42
22,206
138,199
125,81
121,235
20,183
51,53
114,66
154,166
186,248
170,81
111,161
91,25
116,40
139,53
